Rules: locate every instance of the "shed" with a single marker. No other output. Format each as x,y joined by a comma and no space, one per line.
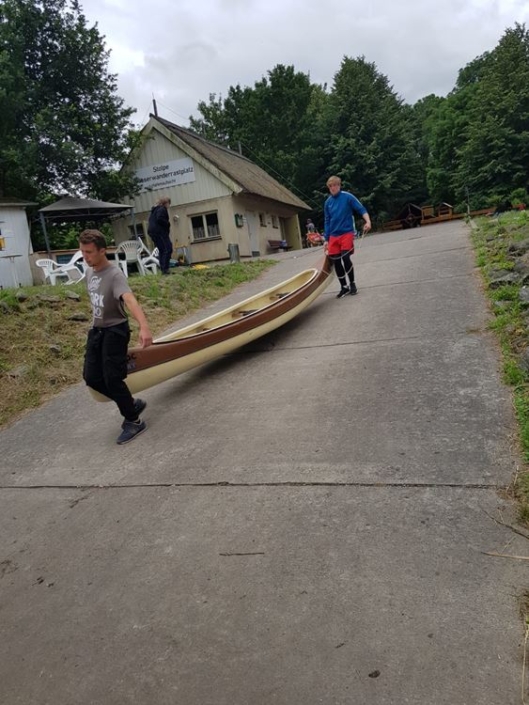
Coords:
219,198
445,210
428,212
15,243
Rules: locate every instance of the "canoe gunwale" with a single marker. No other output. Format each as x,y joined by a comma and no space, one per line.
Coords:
167,358
139,359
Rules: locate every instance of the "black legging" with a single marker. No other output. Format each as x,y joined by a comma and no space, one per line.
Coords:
343,265
165,248
105,366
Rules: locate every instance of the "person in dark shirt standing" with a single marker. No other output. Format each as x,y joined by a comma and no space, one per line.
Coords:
340,231
158,229
105,364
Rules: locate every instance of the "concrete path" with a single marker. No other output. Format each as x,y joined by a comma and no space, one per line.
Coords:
304,521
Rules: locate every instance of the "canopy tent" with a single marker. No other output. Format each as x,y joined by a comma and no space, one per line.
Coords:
79,210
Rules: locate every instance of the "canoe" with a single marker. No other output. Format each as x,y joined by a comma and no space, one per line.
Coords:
223,332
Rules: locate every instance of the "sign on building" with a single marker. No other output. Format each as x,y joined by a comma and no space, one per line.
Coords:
160,176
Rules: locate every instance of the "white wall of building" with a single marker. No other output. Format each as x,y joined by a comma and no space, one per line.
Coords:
15,269
168,171
159,152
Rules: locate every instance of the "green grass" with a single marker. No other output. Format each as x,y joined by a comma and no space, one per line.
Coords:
492,239
41,349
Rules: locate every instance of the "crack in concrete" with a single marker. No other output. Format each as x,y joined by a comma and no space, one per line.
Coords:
411,281
244,485
369,341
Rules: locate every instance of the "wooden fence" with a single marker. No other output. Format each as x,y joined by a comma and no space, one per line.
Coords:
402,224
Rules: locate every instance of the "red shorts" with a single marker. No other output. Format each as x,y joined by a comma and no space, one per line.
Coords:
341,243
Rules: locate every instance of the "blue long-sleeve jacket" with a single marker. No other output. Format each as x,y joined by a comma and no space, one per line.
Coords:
159,223
339,211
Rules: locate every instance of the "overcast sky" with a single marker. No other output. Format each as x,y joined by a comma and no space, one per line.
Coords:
183,50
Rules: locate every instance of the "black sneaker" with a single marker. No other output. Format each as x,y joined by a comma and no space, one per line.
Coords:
343,292
353,290
139,406
129,430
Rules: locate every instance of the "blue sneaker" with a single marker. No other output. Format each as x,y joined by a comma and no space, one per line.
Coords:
129,431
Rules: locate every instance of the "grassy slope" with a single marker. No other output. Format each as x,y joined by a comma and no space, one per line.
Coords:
492,238
41,349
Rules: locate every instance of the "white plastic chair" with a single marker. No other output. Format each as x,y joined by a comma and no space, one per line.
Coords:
132,249
75,259
151,263
142,247
75,269
74,274
52,270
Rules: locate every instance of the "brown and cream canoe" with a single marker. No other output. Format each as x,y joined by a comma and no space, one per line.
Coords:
223,332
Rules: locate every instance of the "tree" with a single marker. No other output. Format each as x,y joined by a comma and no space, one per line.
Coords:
446,134
270,121
424,116
479,137
64,128
495,157
371,138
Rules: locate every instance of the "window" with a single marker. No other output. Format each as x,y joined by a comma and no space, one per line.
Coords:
205,227
275,221
262,220
139,230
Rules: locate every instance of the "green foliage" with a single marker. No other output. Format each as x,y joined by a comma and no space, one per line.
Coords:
509,324
470,149
519,195
271,122
508,292
512,373
479,142
372,138
301,133
64,129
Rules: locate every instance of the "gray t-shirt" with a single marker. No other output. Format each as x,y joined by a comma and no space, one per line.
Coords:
105,288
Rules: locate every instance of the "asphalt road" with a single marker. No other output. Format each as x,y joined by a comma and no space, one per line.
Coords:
304,521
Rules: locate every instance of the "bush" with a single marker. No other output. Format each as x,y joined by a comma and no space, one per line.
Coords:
461,207
519,196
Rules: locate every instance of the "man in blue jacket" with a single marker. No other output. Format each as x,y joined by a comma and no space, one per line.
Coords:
158,229
340,208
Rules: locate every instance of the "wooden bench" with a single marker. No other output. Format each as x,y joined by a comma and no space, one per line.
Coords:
279,245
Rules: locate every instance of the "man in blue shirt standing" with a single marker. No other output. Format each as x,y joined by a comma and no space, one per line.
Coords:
340,231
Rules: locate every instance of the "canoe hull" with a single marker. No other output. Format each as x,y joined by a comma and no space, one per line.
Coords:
222,333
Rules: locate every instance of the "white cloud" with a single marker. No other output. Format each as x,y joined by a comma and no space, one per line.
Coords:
182,51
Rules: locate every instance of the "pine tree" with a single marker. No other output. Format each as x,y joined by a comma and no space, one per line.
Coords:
494,159
372,144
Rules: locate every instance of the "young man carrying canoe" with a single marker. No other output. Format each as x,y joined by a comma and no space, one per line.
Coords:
340,208
105,365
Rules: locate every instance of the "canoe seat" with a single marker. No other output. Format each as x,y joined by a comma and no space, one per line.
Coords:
241,314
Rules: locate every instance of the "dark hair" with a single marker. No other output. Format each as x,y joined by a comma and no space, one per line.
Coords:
95,237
